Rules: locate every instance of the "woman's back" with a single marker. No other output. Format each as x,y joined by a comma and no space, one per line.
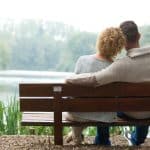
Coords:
89,63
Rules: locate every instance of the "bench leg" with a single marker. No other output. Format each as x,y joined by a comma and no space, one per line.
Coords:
58,135
58,126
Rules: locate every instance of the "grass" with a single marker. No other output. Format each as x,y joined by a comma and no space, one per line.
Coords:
2,125
12,117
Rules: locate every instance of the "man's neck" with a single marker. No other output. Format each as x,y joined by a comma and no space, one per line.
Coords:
132,45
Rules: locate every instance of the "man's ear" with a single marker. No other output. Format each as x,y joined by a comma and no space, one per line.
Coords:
139,36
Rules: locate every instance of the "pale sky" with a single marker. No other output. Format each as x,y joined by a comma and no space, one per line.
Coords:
90,15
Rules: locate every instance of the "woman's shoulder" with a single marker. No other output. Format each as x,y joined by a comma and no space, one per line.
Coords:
86,56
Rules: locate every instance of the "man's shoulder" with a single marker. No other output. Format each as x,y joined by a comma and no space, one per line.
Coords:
136,52
121,63
122,59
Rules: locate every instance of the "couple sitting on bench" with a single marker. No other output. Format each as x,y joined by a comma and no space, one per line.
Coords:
135,67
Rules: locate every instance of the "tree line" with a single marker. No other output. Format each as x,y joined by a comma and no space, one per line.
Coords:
45,45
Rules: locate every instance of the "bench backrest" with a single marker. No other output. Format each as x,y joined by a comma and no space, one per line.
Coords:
62,97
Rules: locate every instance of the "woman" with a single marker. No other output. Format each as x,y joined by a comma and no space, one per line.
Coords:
109,43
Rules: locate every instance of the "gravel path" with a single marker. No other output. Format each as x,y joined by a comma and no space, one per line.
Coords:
46,143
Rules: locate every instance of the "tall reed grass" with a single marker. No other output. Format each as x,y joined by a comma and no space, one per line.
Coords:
2,125
12,117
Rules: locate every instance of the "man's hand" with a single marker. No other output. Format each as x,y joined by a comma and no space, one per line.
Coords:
85,79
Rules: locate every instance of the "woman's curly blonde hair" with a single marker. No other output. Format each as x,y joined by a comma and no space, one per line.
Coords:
110,42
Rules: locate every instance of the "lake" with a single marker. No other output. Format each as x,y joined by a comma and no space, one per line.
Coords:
10,79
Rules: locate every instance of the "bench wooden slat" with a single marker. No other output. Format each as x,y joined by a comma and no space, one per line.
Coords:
47,119
119,104
134,104
78,105
35,90
106,104
34,104
37,118
110,90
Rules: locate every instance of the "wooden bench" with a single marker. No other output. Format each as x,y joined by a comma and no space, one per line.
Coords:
43,104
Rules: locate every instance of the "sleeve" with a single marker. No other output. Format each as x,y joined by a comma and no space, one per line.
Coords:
84,79
116,72
113,73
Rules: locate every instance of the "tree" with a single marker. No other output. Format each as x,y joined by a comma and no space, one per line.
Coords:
4,55
81,43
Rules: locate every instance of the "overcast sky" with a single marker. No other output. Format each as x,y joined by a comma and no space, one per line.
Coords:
90,15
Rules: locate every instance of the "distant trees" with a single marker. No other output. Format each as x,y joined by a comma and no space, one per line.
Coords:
145,35
5,46
80,43
38,45
4,55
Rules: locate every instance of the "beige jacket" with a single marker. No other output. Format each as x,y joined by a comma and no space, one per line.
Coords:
135,67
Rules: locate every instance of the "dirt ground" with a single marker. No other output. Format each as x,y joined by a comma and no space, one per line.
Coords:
46,143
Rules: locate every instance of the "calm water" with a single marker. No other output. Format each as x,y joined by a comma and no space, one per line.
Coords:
9,80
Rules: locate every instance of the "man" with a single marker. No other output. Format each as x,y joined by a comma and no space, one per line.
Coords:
126,70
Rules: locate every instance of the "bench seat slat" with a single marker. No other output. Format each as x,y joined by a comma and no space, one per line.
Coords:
37,118
47,119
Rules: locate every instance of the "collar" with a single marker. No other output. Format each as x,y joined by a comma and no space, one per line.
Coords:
135,52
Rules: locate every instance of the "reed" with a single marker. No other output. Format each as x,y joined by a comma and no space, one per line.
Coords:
2,125
12,117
